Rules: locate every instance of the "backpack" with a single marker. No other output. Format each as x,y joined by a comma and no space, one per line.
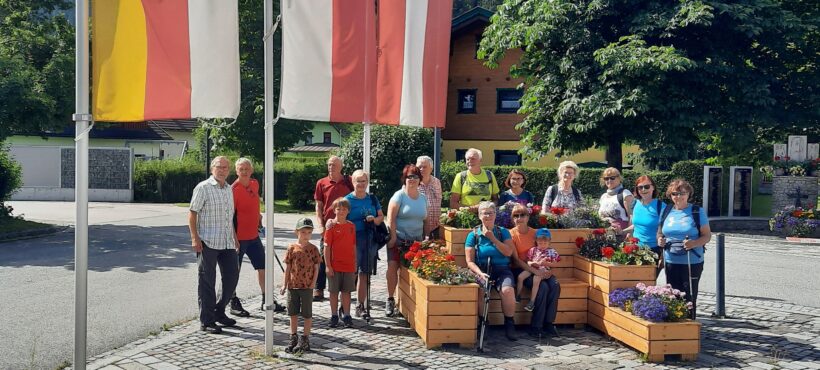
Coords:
477,232
381,235
695,217
575,193
489,174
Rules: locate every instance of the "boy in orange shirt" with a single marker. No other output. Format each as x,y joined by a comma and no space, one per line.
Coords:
340,260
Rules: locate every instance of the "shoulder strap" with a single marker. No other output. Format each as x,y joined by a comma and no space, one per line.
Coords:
463,175
620,198
658,206
696,217
576,193
489,178
663,218
553,193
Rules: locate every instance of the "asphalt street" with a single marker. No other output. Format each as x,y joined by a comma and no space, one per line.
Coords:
142,275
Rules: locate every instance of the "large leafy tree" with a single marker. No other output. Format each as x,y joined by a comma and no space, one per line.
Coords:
679,78
36,66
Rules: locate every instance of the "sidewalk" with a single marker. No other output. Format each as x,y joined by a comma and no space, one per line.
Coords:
758,334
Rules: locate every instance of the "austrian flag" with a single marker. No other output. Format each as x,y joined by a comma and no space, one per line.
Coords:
160,59
378,61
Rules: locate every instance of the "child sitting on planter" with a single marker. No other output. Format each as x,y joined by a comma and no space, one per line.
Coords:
542,257
303,261
340,260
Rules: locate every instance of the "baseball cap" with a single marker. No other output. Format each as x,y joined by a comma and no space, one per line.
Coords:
543,233
304,222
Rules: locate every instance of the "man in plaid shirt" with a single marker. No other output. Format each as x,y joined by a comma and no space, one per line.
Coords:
213,238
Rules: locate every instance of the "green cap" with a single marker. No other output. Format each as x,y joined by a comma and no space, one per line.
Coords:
304,222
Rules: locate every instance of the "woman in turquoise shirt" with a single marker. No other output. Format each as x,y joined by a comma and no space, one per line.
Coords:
493,244
646,211
682,241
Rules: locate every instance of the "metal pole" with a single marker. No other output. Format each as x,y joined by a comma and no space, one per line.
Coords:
207,152
270,251
366,148
720,285
82,119
437,152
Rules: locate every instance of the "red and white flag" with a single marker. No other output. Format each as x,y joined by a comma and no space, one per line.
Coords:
346,61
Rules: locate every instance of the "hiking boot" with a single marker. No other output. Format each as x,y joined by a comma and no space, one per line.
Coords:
334,321
550,329
294,343
359,310
390,307
348,321
530,306
211,328
517,298
509,329
304,343
237,309
224,320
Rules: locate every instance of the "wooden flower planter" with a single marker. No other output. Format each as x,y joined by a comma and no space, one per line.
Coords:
655,340
439,313
603,278
454,239
572,305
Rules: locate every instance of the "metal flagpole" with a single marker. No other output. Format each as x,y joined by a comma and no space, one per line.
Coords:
366,148
81,118
270,121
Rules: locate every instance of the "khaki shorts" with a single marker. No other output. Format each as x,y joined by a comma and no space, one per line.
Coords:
341,282
300,301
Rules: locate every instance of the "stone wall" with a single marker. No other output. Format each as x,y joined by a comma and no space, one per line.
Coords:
783,186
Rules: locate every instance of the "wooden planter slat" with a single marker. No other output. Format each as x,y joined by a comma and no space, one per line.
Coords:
578,318
564,249
438,313
455,235
608,286
456,249
569,235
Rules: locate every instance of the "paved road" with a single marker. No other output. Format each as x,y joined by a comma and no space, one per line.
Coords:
140,253
142,274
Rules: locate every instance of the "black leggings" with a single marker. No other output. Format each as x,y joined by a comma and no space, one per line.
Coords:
677,275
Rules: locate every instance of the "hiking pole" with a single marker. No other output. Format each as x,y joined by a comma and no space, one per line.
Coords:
486,312
370,271
689,266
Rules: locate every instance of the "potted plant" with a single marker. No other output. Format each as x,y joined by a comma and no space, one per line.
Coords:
795,222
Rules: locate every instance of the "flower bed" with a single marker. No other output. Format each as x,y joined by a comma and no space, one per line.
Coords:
795,222
439,313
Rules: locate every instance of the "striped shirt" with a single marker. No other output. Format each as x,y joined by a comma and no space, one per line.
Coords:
432,192
214,208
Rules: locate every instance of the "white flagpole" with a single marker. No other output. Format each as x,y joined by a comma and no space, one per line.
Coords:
270,121
81,118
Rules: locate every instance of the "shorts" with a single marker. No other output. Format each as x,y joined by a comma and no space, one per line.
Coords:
501,276
362,244
300,301
255,251
344,282
394,254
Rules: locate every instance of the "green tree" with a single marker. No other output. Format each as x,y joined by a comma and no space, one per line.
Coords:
462,6
36,66
682,79
391,148
247,134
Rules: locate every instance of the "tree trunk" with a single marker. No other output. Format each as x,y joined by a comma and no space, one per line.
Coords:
614,152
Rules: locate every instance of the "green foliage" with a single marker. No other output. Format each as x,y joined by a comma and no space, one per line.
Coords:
36,66
301,184
11,178
391,148
463,6
682,80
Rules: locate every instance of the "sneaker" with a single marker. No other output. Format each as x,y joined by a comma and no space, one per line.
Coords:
359,310
294,343
304,343
278,307
390,307
334,321
211,328
348,321
237,309
550,329
530,306
517,298
224,320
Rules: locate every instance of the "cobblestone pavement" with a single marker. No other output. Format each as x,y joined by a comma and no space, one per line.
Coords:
757,334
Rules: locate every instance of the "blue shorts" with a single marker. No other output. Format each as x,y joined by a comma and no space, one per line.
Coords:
255,251
362,243
501,276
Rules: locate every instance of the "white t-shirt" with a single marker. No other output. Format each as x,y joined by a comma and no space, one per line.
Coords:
610,208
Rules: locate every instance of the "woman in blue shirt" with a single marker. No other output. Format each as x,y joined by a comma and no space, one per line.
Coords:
682,241
493,244
646,211
406,214
515,182
364,207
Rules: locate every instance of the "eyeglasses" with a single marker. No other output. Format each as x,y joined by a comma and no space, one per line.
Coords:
412,177
610,178
520,215
644,187
487,213
678,193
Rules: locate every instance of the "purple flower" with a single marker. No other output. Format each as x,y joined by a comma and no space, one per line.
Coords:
650,307
620,297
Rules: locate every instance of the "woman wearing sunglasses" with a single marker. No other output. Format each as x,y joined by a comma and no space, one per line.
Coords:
646,211
545,303
682,241
615,201
406,214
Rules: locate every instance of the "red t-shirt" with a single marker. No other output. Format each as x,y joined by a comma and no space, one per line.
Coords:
246,202
327,191
341,240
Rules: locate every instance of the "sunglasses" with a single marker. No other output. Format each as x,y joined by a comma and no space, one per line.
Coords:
644,187
519,215
678,193
412,177
610,178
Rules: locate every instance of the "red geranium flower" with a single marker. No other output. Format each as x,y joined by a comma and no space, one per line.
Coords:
542,220
777,157
607,251
536,209
633,240
450,257
797,213
451,213
579,242
409,255
415,247
416,263
598,232
629,249
558,210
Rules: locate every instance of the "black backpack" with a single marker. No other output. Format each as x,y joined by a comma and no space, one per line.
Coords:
575,193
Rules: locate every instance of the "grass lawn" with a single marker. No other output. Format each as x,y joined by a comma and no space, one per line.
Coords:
281,206
8,225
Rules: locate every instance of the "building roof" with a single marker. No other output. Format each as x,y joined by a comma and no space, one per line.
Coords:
470,17
315,148
176,125
125,130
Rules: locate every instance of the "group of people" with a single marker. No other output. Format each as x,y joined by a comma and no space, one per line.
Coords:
349,217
